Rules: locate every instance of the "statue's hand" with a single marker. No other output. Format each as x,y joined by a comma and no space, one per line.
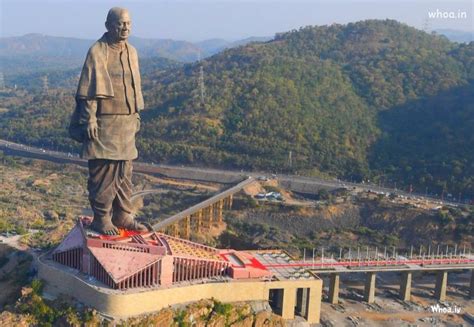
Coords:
138,122
92,130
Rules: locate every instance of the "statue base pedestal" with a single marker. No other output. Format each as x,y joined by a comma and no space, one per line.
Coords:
137,273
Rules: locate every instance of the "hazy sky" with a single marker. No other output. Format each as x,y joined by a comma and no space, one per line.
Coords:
229,19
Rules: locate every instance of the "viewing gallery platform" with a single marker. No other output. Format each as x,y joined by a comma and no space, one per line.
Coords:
135,273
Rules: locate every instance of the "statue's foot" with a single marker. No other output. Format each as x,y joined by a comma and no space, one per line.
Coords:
104,227
129,223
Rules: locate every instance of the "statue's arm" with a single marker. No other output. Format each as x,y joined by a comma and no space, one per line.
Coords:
88,116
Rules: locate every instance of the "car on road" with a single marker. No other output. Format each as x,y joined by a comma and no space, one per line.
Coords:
260,196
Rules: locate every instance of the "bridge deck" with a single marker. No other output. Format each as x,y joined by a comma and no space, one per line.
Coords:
191,210
329,266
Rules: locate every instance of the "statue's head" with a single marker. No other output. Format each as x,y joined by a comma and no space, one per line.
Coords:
118,24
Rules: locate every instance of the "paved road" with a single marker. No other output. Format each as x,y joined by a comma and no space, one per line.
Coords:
310,185
146,192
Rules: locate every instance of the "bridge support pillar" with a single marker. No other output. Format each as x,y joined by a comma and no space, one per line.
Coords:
220,207
405,286
185,231
369,291
207,218
334,288
441,284
471,289
173,230
211,214
199,221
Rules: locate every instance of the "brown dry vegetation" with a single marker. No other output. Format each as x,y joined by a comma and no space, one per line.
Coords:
14,272
49,197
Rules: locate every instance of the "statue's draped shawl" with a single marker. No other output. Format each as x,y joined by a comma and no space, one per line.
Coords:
95,82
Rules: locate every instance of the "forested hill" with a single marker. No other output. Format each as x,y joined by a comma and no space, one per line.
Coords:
339,98
373,99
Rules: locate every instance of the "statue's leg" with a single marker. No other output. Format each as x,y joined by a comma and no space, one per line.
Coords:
122,205
102,189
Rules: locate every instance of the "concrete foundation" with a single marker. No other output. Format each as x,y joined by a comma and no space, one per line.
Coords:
123,304
441,284
369,291
334,289
405,286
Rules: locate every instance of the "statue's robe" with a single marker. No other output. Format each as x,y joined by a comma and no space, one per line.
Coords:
109,94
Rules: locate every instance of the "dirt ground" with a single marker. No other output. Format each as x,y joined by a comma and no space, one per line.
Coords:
388,310
13,270
288,199
253,189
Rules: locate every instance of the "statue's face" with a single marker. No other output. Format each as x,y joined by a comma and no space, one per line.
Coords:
119,27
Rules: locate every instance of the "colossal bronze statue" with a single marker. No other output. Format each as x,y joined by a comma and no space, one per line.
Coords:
106,119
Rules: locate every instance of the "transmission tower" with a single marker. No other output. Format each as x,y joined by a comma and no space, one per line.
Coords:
201,80
45,84
2,81
426,25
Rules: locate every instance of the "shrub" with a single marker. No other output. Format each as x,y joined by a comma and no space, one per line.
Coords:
222,309
37,286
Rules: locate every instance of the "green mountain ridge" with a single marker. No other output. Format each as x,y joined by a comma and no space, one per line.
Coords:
38,53
372,100
321,94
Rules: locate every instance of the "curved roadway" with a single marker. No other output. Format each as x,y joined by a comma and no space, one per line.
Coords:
295,183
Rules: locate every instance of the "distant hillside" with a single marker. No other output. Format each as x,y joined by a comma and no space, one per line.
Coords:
62,77
53,46
37,53
213,46
25,60
457,36
321,99
43,45
171,49
249,40
374,100
34,53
